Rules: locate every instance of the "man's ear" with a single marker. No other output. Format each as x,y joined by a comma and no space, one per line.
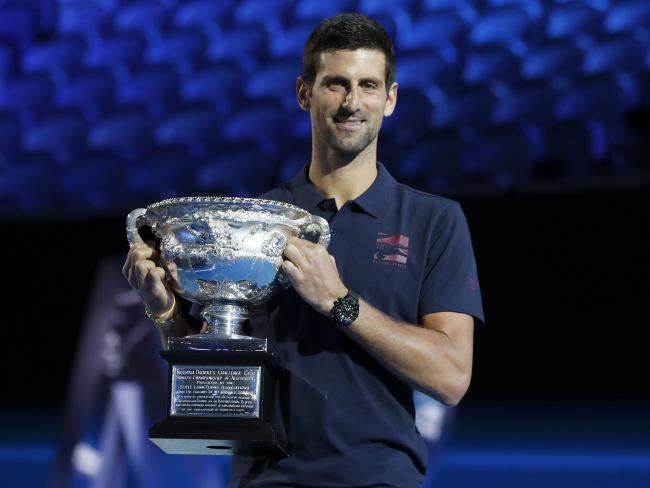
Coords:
302,94
391,100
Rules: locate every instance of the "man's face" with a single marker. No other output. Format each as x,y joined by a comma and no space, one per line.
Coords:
348,99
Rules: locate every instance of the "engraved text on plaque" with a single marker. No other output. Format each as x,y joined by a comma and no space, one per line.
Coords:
215,391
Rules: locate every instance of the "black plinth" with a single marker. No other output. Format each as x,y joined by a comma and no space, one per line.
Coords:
221,403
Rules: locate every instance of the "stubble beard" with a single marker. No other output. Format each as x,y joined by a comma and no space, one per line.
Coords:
349,145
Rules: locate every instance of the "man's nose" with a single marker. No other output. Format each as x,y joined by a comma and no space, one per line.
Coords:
351,102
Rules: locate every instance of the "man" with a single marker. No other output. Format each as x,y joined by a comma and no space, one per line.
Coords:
388,307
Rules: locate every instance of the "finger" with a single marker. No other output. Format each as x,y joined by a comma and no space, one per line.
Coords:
152,245
130,259
142,269
155,285
293,254
302,244
142,251
157,273
292,271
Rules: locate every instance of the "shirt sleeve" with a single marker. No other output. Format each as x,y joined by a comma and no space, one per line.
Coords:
450,282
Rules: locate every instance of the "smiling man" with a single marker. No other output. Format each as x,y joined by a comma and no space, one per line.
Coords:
388,307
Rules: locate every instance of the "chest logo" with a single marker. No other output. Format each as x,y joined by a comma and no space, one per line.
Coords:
392,249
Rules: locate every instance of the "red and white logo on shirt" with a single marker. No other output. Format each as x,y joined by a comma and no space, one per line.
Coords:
392,249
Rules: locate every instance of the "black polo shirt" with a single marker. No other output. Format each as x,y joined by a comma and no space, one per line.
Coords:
349,422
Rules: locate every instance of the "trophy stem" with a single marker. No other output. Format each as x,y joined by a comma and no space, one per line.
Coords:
225,319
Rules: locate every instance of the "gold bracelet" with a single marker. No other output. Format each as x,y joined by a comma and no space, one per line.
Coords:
163,322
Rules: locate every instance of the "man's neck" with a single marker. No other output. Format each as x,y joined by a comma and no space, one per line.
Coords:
343,180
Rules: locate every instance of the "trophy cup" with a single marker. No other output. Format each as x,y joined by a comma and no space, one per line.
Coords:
225,254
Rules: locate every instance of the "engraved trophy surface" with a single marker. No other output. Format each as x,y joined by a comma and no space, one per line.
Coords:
225,254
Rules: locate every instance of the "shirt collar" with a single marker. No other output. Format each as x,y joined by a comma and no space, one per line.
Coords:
371,201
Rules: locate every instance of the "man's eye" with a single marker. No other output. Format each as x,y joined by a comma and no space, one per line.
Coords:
370,86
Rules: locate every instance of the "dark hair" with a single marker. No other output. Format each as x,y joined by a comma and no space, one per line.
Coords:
347,31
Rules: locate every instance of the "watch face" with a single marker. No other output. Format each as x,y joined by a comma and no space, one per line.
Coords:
345,310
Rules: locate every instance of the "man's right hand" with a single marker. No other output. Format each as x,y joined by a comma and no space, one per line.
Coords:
148,279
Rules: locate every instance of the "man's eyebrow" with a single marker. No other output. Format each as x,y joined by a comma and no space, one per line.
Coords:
330,78
372,79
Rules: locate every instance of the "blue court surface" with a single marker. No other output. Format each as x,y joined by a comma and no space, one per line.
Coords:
531,447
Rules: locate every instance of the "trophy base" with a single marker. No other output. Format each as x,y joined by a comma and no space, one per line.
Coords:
222,401
210,437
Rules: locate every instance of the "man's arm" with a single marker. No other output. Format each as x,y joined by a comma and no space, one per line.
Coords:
434,356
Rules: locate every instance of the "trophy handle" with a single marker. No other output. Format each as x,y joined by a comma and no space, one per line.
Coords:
132,233
318,227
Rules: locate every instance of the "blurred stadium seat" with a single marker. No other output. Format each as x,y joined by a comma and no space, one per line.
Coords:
46,14
126,131
165,173
508,25
534,8
18,24
29,96
245,45
264,125
195,128
552,60
592,98
119,52
290,164
420,69
436,162
220,84
97,183
262,12
28,187
526,103
441,31
618,53
467,9
503,155
148,17
379,8
628,16
289,42
91,91
408,123
488,64
206,14
276,80
87,19
60,135
469,108
573,19
184,49
58,58
230,172
155,87
598,104
316,10
8,60
10,138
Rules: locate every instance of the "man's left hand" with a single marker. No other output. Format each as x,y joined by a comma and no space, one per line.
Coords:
312,271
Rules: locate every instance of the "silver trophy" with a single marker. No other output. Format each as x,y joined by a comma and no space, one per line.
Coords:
224,254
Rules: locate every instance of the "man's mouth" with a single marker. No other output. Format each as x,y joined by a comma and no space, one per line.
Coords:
348,123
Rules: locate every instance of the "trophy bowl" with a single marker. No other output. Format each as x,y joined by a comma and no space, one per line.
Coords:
224,253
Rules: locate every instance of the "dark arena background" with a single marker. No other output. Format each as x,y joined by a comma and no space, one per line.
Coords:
534,114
